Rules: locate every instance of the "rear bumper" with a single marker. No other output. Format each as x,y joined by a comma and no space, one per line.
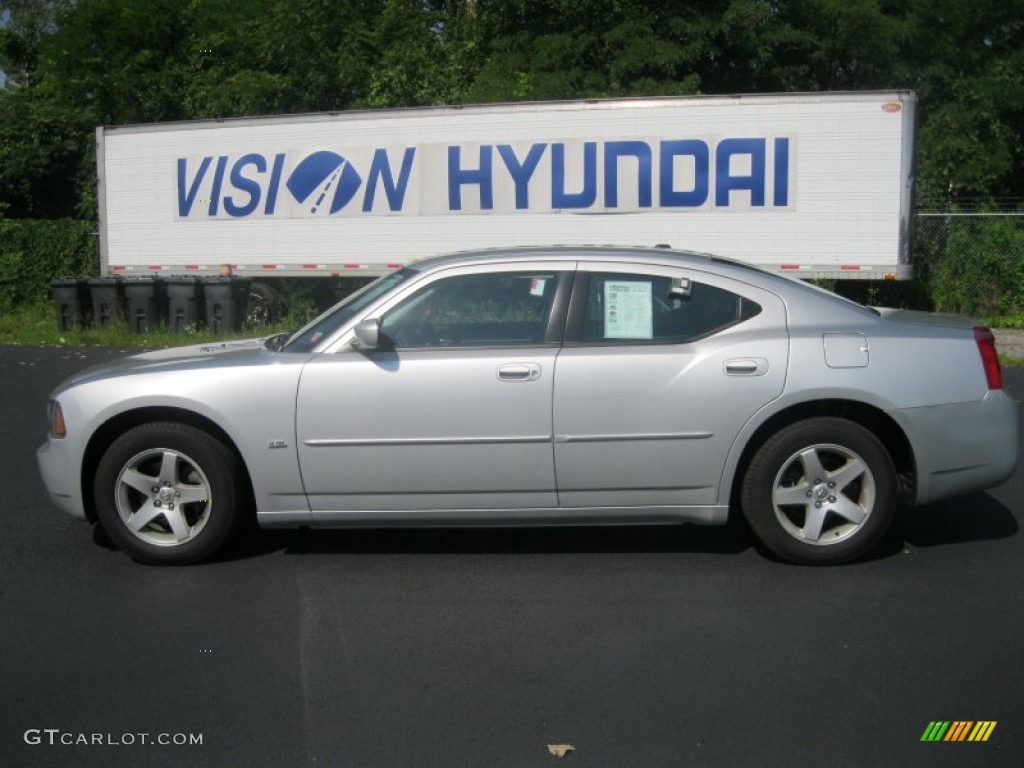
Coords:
963,447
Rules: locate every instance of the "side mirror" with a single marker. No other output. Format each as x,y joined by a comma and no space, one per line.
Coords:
276,342
367,334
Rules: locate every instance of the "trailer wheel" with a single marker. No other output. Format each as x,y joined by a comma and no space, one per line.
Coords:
263,307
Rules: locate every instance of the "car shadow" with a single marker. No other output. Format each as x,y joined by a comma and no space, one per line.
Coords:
976,517
728,539
961,520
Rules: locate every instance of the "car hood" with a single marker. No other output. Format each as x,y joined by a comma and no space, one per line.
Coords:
194,357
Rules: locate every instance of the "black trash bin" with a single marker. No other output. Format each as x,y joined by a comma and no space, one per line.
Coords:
71,297
184,307
107,307
226,301
147,303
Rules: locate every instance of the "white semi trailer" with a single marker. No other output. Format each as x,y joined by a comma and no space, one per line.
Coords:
813,185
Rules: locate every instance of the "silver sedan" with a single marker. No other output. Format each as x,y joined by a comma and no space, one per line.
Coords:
544,386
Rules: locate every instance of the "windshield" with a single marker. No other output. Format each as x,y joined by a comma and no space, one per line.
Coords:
306,339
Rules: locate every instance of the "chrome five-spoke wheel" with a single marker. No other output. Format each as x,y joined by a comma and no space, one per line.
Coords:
823,490
168,492
823,494
163,497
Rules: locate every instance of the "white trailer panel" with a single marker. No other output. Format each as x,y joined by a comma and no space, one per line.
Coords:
811,184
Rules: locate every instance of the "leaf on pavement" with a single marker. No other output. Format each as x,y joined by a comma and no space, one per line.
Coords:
560,750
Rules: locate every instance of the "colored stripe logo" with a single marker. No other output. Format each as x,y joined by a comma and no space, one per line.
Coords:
958,730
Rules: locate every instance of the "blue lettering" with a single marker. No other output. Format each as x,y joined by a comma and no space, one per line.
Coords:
614,150
521,172
240,186
244,184
457,177
380,172
584,198
780,195
275,183
726,182
186,199
218,182
668,194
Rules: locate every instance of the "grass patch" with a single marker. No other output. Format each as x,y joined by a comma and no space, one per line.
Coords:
1005,321
37,324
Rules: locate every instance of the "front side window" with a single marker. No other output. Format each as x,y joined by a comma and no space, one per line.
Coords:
497,308
623,308
306,339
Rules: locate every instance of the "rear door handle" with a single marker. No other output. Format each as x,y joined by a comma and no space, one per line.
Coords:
746,366
519,372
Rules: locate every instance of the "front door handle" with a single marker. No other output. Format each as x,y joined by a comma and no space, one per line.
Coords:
519,372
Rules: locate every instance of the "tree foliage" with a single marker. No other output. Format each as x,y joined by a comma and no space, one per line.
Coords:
33,252
75,64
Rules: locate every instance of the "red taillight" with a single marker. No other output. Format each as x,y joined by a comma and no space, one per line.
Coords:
989,357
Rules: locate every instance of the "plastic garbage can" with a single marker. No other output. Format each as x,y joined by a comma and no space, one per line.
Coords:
71,298
147,303
226,299
183,302
107,307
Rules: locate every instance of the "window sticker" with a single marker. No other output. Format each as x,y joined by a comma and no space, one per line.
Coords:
537,285
628,310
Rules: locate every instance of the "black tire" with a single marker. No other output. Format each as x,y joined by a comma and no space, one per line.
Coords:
168,493
836,516
263,306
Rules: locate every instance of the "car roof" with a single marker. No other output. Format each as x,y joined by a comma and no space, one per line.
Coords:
659,255
636,254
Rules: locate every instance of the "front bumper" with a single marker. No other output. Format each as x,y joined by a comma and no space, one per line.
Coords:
60,472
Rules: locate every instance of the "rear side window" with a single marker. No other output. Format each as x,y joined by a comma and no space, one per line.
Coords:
625,308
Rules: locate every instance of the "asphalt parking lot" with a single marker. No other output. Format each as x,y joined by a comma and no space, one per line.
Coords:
637,647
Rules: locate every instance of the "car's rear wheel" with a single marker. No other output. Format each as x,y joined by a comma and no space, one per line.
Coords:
820,491
168,493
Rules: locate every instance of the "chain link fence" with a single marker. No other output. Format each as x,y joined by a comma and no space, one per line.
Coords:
970,262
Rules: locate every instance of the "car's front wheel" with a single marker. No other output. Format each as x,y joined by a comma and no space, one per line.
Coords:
820,491
168,493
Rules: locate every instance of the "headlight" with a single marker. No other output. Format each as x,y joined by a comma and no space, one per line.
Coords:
58,428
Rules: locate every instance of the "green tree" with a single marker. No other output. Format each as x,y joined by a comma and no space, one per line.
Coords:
99,61
321,49
28,24
425,54
42,146
559,49
966,60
